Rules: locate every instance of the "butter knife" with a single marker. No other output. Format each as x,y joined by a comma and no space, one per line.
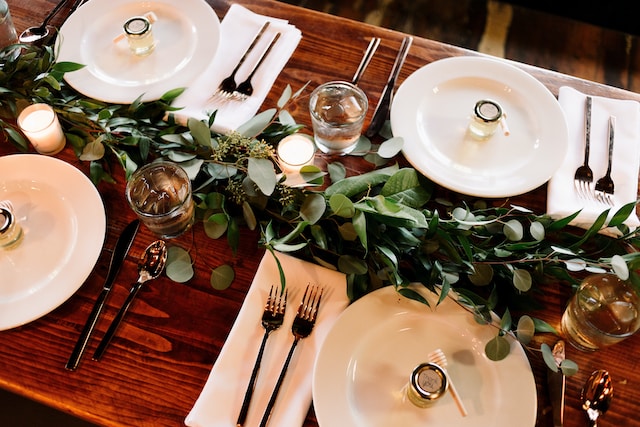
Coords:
117,257
382,109
556,383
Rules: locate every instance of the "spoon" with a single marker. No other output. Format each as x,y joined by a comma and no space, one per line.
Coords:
150,266
35,34
596,395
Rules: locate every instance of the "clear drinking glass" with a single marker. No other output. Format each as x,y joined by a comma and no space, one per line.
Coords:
604,311
337,112
8,35
160,195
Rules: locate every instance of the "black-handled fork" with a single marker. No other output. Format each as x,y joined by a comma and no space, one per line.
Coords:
302,327
272,319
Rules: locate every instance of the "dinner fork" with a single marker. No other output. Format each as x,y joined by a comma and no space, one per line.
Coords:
302,327
228,84
583,178
272,319
604,186
245,89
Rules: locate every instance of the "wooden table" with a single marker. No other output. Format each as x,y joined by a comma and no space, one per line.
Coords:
160,360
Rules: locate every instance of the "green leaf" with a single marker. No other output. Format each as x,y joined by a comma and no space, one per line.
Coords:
313,208
179,267
404,187
262,172
357,184
222,277
568,367
216,225
200,132
547,356
342,206
284,97
257,124
525,330
172,94
349,264
390,148
622,214
93,151
337,171
497,349
513,230
522,280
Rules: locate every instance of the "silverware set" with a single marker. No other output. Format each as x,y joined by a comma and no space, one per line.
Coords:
229,89
603,189
301,328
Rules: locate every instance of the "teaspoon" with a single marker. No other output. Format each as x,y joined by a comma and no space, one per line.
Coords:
35,34
596,395
150,266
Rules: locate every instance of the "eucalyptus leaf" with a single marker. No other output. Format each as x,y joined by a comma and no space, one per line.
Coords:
547,356
262,172
522,280
257,123
568,367
222,277
391,147
179,267
200,132
337,171
525,330
497,349
342,206
313,208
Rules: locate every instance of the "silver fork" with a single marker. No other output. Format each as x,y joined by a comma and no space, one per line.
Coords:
604,186
302,327
245,89
228,85
272,319
583,179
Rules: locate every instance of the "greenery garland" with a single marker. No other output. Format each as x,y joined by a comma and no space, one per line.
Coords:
380,228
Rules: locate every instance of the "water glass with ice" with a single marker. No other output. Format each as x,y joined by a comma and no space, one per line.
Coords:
603,312
338,110
160,195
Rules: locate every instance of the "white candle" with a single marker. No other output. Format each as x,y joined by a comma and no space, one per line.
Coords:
40,125
296,151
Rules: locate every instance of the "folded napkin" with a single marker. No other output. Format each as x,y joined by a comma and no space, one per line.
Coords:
221,398
237,31
562,199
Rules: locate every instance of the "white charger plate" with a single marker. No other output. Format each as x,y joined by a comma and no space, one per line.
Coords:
64,225
371,350
187,34
432,109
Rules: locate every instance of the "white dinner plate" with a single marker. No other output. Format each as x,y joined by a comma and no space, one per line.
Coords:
370,352
186,32
63,221
432,109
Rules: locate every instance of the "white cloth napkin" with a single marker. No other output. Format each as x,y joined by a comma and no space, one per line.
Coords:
221,398
237,31
562,199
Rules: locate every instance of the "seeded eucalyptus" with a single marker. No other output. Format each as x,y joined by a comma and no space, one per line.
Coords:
381,228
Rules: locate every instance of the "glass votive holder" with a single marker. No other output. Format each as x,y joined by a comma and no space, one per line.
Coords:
10,230
139,33
603,312
160,195
295,151
338,110
40,125
487,116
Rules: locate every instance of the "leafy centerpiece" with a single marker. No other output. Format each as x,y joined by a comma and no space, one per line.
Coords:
381,228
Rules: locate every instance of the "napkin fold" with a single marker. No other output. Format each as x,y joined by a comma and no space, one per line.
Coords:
562,199
219,403
237,31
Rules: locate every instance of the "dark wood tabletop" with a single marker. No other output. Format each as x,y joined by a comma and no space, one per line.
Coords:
158,363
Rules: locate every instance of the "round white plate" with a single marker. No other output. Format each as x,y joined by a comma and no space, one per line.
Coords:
370,352
187,34
432,109
63,220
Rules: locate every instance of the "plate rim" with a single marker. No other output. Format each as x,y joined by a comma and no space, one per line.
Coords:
395,304
84,81
464,66
42,168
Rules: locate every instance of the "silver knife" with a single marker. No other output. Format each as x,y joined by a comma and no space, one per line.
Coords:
117,257
382,109
556,383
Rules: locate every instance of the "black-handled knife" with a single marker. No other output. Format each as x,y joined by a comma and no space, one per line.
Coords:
117,257
556,383
382,109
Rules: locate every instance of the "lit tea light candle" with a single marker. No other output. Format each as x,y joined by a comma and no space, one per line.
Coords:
296,151
40,125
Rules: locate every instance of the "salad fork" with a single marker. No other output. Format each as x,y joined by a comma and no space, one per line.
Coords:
245,89
302,327
604,186
272,319
583,179
228,85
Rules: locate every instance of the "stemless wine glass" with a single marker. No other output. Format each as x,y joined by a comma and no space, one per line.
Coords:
160,195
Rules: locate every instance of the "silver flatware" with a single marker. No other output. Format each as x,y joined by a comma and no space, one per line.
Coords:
302,327
228,84
596,395
117,257
150,266
272,319
245,89
381,112
36,34
556,383
583,178
604,186
366,59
